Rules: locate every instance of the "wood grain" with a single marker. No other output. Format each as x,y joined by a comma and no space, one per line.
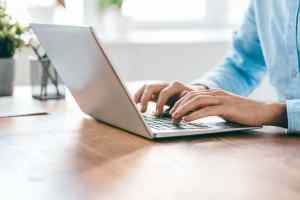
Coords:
69,156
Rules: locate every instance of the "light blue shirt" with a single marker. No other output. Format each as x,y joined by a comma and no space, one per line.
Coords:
268,41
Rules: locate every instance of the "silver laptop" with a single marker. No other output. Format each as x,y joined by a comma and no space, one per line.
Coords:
82,63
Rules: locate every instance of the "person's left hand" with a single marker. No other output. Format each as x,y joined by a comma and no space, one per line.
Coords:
198,104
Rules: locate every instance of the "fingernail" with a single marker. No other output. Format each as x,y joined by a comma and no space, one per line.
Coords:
187,119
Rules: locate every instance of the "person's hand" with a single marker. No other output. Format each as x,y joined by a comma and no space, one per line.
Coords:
161,93
198,104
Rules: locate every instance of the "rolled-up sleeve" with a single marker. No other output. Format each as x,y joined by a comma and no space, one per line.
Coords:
244,67
293,112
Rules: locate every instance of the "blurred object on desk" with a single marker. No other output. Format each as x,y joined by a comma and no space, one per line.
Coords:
20,105
45,81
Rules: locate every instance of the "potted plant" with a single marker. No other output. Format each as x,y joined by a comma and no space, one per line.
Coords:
104,4
10,41
112,23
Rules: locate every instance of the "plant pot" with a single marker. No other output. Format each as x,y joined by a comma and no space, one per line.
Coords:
7,74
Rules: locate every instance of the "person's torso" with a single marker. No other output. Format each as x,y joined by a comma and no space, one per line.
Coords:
278,25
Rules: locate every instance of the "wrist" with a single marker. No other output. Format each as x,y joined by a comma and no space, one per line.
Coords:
277,114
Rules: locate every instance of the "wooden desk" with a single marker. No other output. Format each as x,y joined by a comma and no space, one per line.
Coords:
67,156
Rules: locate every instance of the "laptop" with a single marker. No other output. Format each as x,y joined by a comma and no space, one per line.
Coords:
81,61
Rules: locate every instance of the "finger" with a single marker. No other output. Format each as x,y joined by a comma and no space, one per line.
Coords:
213,92
147,95
194,104
138,94
183,99
178,102
165,95
204,112
188,95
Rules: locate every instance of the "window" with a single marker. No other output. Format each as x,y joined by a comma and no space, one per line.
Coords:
185,13
237,10
165,10
45,11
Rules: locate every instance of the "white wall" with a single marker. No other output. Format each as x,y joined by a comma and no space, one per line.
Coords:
159,61
165,61
182,61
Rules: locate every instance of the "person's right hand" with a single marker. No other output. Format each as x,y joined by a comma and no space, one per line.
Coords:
161,93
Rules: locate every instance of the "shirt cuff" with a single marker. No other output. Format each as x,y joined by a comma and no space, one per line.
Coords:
293,112
210,84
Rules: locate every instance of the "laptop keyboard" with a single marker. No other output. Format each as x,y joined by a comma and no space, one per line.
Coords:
165,123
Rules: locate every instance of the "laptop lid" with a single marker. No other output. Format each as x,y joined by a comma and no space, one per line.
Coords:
86,70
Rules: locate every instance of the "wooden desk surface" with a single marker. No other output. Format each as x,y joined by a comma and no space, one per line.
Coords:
68,156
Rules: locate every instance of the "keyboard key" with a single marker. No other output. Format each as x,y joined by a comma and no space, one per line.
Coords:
167,124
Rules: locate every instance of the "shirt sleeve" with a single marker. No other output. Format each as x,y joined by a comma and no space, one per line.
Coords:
243,69
293,112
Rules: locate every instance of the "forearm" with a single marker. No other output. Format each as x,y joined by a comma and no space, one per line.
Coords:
239,79
244,66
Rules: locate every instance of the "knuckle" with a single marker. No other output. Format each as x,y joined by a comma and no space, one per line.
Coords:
138,93
145,88
144,98
184,93
177,84
188,93
192,94
136,96
150,86
195,93
163,96
164,92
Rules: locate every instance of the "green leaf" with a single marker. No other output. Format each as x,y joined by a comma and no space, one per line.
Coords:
104,4
10,35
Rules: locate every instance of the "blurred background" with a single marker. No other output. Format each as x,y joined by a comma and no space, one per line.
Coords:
146,39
